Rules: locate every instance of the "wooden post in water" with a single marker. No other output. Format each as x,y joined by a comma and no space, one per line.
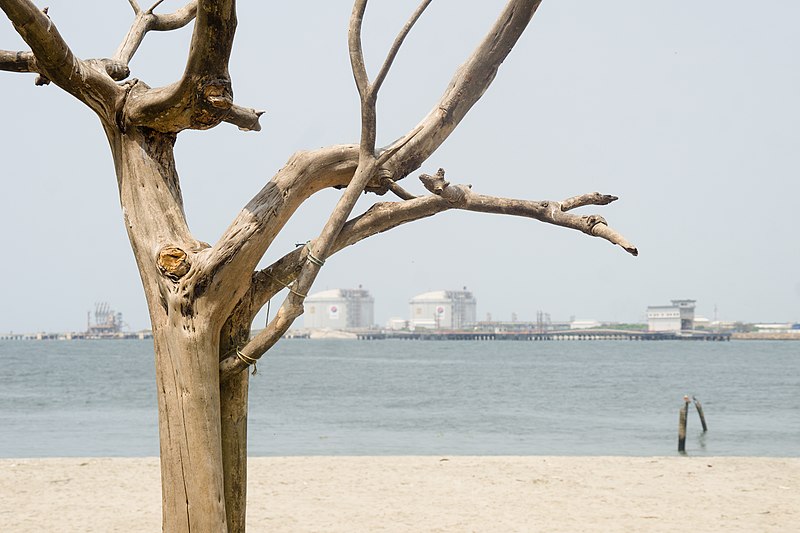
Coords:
700,412
682,425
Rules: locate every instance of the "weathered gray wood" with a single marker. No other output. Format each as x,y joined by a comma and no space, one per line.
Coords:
186,336
233,402
55,61
17,61
682,421
147,20
469,84
700,412
202,298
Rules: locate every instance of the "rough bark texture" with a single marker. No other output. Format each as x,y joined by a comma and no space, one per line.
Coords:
234,401
202,298
186,338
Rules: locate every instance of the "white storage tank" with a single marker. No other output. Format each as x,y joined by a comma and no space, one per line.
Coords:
450,310
341,309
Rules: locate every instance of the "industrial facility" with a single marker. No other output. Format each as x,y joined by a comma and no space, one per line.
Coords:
107,322
443,310
676,317
339,309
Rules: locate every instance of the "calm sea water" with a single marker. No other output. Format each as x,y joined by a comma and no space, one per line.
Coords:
97,398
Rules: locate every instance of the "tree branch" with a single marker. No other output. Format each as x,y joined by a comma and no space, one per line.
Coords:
18,61
399,191
242,245
146,21
154,6
462,197
366,95
21,62
356,49
271,280
135,5
469,83
317,252
192,102
368,92
249,236
322,246
380,217
384,216
245,118
86,80
26,62
594,198
398,42
203,97
404,155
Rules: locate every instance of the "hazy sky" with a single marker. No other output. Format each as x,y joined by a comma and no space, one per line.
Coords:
686,110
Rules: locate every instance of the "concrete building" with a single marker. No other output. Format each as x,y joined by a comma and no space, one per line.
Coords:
443,310
340,309
676,317
584,324
397,324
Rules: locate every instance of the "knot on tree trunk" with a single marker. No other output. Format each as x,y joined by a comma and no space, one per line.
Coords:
173,262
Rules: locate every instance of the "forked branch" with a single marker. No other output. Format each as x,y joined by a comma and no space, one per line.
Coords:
395,162
368,165
203,97
315,256
368,91
462,197
266,213
146,21
257,234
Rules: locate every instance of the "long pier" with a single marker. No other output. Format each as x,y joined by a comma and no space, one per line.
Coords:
565,335
72,336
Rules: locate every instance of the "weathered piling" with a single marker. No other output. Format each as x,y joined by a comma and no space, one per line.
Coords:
682,425
700,412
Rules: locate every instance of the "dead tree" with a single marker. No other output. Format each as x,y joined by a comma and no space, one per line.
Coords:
202,298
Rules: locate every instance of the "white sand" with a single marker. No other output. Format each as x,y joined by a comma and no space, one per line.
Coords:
415,494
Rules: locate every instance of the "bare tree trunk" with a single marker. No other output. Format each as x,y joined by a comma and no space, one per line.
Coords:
233,402
187,371
186,333
233,398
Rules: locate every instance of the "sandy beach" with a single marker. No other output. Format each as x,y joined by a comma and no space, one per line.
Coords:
353,494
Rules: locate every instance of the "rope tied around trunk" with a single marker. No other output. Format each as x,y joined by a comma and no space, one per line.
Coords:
249,361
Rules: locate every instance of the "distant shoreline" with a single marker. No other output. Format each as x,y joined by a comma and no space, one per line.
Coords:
143,335
767,336
76,336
